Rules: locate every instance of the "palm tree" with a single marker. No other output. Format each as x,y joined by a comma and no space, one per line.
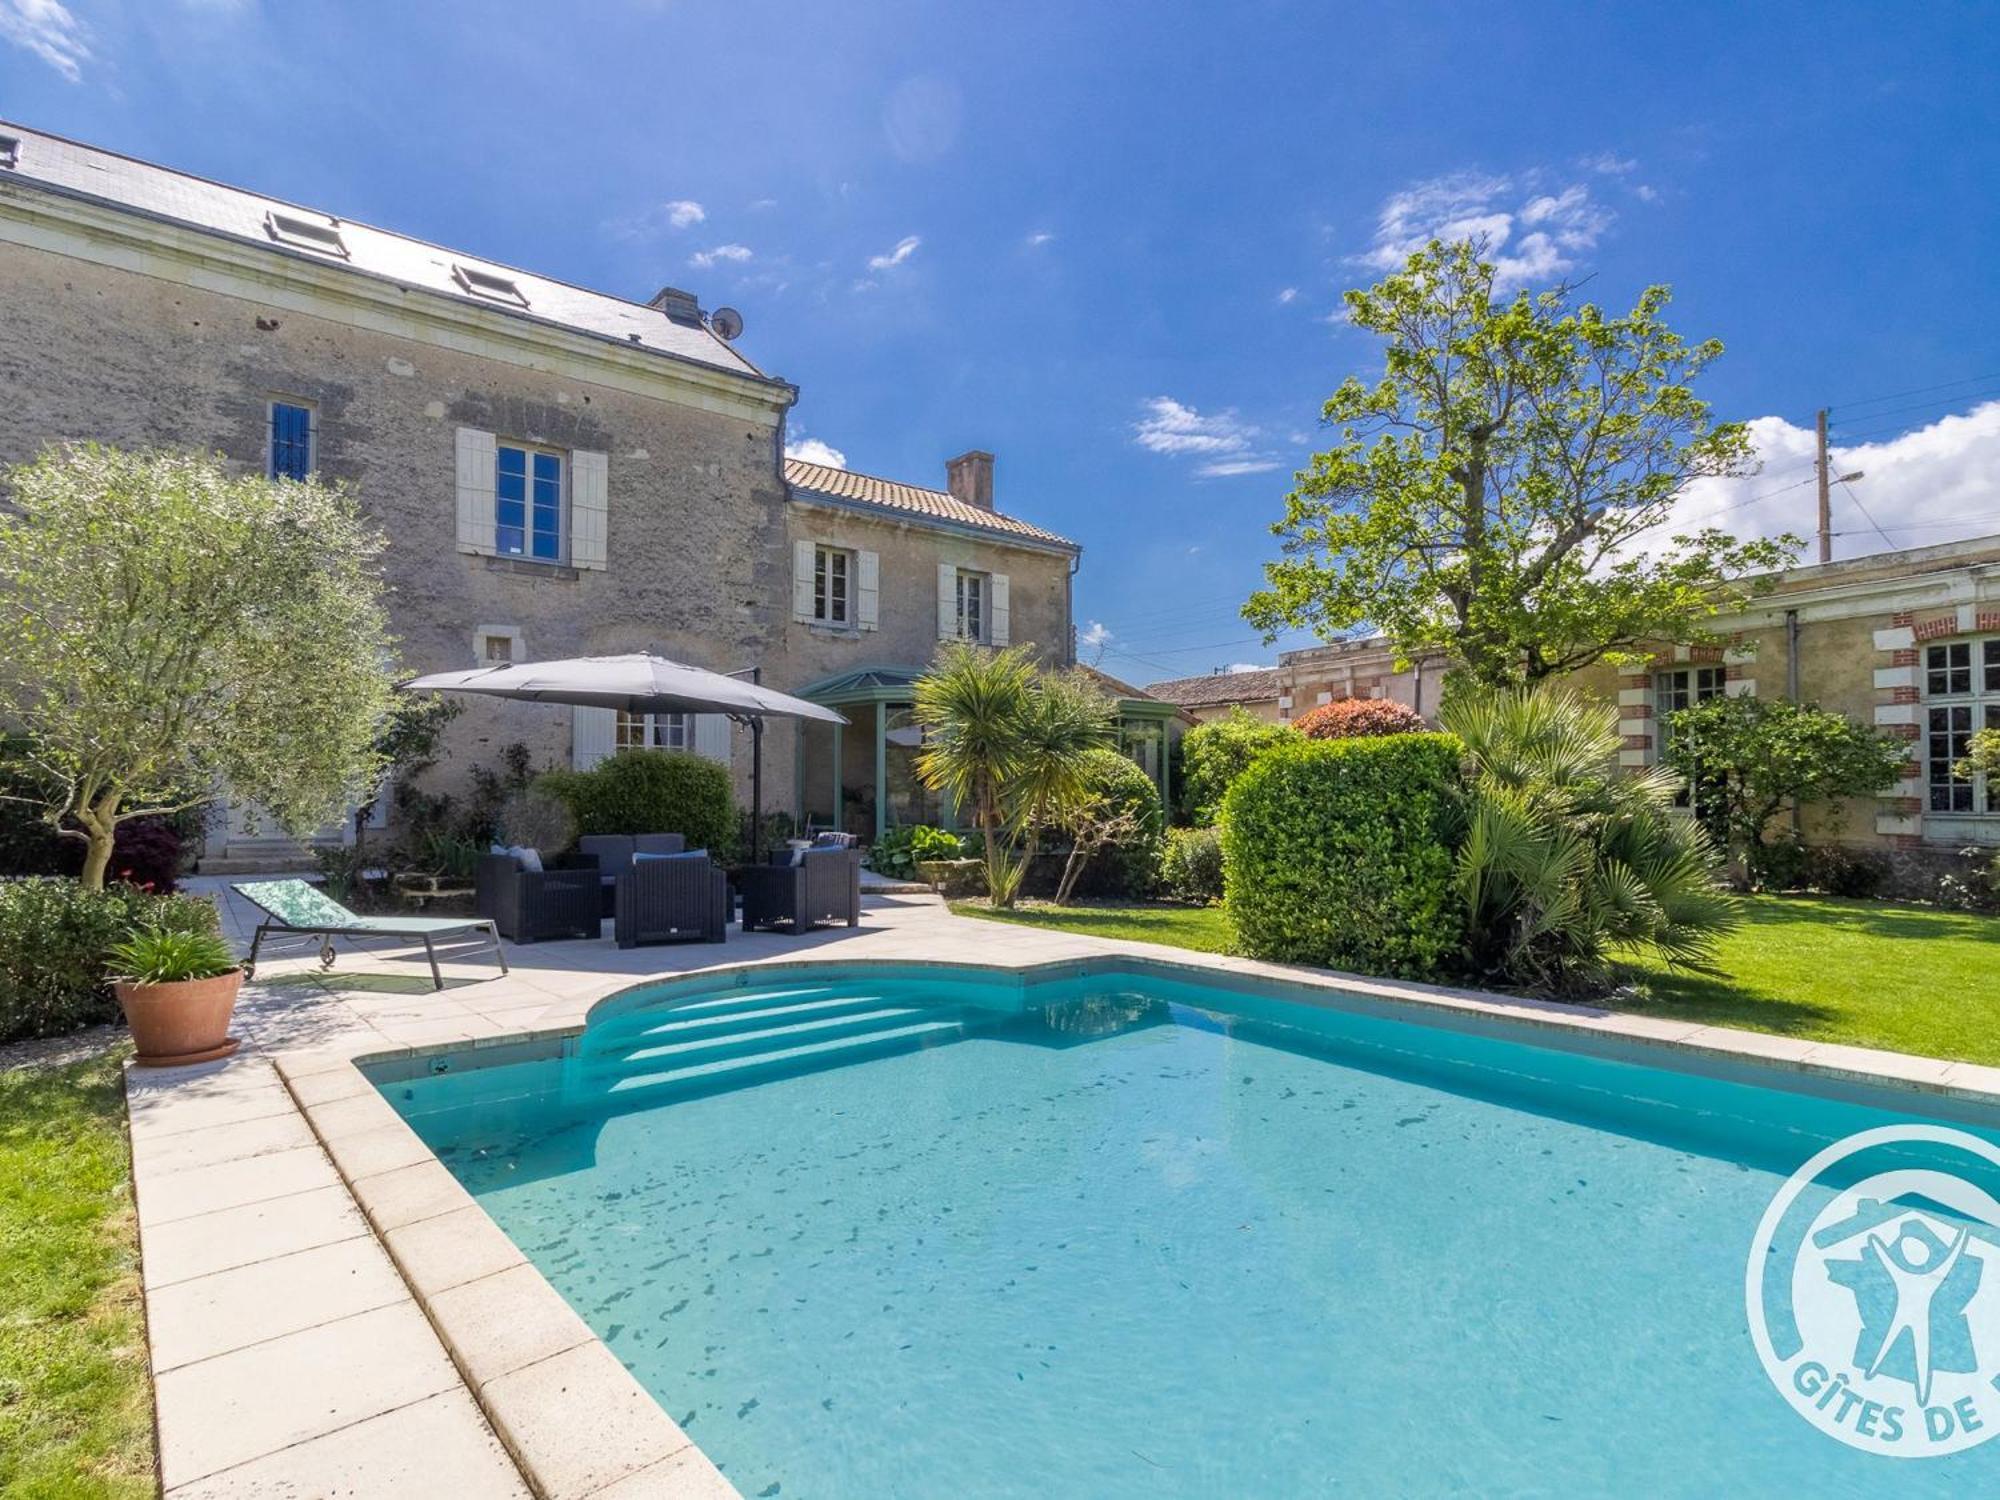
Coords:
1566,859
972,707
1066,719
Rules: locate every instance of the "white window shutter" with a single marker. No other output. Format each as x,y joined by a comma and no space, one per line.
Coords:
803,559
947,602
711,736
997,609
593,736
475,491
867,595
589,509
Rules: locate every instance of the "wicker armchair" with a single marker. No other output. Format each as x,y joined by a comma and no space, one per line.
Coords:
529,905
680,898
613,853
822,885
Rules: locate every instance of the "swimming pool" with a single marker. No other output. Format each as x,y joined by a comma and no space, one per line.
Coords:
1121,1231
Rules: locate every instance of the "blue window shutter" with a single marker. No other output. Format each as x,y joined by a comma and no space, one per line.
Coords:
291,441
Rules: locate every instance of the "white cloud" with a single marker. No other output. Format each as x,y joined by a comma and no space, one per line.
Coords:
48,30
1937,483
1608,163
1554,228
1225,468
683,213
1246,666
1289,294
706,258
905,248
1039,238
1224,442
1094,636
813,451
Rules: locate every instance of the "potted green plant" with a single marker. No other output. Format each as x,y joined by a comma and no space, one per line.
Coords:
178,991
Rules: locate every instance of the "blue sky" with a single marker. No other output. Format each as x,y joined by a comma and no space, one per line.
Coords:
1104,241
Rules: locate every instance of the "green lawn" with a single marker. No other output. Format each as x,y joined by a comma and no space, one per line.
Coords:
76,1412
1870,973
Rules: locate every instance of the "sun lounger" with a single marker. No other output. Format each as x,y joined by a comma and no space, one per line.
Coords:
296,907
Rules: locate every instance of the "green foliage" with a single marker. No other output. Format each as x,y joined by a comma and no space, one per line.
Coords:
1349,718
1983,755
650,791
1566,860
1067,724
160,955
1496,494
1117,825
1215,753
56,941
1339,852
1191,865
1749,758
1846,872
900,850
172,627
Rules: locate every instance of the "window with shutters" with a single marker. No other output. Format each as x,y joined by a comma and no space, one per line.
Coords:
528,502
291,445
833,586
972,596
1961,697
655,731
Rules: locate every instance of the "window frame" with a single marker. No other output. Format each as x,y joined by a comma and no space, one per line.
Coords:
825,556
1953,709
528,530
652,732
1699,682
272,406
974,589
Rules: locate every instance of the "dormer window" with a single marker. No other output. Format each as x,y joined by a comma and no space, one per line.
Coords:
10,150
486,284
322,236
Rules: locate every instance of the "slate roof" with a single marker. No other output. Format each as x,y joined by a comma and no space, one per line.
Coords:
913,502
1217,689
54,164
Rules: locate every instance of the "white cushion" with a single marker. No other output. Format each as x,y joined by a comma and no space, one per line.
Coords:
528,859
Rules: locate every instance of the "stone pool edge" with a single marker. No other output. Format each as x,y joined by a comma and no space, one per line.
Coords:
578,1423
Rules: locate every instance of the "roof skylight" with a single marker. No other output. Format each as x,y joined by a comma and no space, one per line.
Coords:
487,284
10,150
319,235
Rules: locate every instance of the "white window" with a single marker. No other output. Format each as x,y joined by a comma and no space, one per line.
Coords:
655,731
1961,697
528,502
1679,688
488,284
322,236
971,606
497,645
833,586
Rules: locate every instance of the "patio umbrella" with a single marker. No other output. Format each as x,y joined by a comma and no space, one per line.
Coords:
640,684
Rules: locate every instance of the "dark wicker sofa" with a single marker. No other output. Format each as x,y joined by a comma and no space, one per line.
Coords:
675,898
613,854
530,905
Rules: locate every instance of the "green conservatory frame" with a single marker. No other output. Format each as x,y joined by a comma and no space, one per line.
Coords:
1143,735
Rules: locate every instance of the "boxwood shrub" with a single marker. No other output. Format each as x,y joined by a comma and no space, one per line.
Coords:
1191,865
55,943
651,791
1340,853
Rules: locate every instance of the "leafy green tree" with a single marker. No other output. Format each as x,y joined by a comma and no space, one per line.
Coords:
1565,860
173,629
1066,719
972,706
1748,759
1497,494
1215,753
1984,755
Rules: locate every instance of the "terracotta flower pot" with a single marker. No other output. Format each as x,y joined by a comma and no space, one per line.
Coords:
183,1022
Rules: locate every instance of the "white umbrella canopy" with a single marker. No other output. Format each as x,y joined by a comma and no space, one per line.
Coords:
637,684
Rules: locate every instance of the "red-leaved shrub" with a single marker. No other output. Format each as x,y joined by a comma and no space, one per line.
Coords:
1354,718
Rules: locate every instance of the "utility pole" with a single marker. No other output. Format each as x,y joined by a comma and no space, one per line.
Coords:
1825,498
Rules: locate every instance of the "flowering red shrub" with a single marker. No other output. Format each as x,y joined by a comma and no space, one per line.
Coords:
1352,718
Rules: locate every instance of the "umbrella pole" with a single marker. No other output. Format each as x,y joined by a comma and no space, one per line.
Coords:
756,791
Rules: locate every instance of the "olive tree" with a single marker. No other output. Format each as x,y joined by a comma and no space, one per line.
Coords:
174,629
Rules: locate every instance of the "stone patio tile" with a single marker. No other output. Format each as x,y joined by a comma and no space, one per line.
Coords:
211,1315
369,1152
688,1475
179,1151
579,1422
450,1249
203,1190
1976,1076
234,1237
1749,1043
410,1194
1868,1062
256,1401
500,1323
164,1109
429,1450
314,1089
340,1118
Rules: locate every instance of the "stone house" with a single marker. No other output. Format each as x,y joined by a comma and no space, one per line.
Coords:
1216,695
560,472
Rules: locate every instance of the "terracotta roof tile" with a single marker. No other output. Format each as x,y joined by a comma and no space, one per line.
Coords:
910,499
1214,688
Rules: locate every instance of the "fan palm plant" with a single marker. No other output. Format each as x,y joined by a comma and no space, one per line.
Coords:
1566,860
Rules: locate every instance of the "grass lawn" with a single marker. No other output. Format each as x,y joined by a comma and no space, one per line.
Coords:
76,1411
1869,973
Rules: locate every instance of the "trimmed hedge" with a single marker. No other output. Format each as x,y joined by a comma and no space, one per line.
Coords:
651,791
1191,865
1340,853
1214,754
1354,718
55,945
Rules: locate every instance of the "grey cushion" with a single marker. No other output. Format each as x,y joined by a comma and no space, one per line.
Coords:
658,843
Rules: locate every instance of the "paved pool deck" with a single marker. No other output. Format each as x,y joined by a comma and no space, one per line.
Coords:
330,1313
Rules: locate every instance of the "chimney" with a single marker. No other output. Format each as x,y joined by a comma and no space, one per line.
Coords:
679,306
970,478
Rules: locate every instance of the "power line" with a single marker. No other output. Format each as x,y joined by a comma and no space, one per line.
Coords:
1917,391
1865,516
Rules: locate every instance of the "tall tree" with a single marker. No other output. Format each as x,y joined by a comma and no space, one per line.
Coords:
173,629
1498,494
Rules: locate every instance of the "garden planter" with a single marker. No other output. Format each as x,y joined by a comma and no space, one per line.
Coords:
183,1022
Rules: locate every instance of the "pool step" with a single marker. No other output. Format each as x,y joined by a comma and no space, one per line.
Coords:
781,1034
805,1057
647,1017
681,1026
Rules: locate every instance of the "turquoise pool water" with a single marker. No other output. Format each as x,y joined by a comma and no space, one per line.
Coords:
909,1234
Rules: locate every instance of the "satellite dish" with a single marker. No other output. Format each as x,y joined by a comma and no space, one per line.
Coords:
727,323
